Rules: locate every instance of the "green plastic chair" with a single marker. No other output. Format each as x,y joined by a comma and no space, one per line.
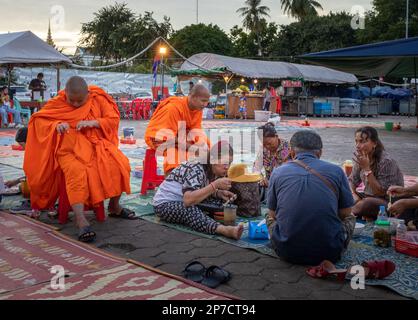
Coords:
18,107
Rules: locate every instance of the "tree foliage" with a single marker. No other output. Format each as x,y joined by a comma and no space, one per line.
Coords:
254,15
300,9
387,21
117,33
199,38
313,34
246,44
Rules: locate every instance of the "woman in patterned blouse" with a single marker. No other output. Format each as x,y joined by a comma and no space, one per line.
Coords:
376,170
195,182
276,151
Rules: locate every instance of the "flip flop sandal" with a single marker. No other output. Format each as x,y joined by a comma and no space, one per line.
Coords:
194,271
125,214
215,276
86,235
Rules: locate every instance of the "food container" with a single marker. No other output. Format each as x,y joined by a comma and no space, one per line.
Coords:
381,234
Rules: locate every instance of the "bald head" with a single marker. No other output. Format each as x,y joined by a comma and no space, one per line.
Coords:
77,91
198,97
199,90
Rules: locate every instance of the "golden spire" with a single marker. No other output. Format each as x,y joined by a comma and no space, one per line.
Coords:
49,38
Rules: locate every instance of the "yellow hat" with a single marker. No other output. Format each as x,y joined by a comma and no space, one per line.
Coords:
239,173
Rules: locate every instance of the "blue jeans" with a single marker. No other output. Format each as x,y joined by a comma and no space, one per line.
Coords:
4,110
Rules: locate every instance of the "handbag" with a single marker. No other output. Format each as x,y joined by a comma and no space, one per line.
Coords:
248,199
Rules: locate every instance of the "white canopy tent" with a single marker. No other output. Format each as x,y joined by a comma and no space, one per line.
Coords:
207,62
22,49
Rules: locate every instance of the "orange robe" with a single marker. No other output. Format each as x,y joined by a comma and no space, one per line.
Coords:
167,117
92,165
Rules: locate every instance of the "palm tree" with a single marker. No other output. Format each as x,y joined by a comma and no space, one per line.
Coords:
253,15
300,9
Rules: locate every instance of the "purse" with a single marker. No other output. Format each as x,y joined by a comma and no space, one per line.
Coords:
248,199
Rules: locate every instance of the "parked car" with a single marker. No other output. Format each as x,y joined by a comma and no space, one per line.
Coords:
143,94
21,93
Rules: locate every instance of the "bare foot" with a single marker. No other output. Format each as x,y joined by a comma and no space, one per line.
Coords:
231,232
81,221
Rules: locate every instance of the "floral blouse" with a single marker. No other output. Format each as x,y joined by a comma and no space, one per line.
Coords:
270,160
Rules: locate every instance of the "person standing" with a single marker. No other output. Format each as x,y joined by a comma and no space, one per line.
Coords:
38,87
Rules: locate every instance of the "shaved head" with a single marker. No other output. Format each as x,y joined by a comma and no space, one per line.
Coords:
77,91
199,97
199,90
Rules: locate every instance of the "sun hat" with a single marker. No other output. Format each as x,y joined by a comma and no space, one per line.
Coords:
239,173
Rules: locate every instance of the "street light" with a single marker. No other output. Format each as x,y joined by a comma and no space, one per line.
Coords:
163,51
407,19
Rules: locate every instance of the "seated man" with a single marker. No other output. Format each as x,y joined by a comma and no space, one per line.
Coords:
75,137
310,216
164,128
406,209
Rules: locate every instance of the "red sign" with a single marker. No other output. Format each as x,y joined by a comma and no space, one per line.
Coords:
291,84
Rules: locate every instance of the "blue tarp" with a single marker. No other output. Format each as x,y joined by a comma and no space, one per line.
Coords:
391,58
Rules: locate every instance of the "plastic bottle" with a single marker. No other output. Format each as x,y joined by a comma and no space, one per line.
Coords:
382,214
401,231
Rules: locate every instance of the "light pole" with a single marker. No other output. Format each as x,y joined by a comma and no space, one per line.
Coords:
407,19
197,11
163,51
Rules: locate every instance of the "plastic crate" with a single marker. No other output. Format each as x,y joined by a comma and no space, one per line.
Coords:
405,247
407,107
322,108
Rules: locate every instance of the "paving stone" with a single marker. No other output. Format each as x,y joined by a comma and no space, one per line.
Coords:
150,261
283,275
322,284
226,288
241,256
176,247
175,257
369,292
288,291
207,252
204,243
243,269
247,283
173,268
329,295
147,252
272,263
255,295
148,242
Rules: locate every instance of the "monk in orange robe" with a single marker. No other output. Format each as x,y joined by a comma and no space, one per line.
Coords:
171,116
75,137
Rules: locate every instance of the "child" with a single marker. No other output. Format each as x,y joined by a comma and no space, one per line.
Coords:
243,106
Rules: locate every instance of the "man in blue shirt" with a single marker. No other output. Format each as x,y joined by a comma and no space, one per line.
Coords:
310,202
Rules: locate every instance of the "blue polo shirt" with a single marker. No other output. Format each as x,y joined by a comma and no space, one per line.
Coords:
308,228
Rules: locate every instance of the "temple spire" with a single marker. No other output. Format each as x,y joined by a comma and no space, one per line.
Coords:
49,37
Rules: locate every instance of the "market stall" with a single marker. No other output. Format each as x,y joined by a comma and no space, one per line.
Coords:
213,66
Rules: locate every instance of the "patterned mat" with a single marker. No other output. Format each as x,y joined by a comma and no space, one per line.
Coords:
28,250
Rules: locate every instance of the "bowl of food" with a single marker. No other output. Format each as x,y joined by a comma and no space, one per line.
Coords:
358,229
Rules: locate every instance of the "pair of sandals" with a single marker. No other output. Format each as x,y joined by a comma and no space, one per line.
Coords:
376,270
211,277
87,235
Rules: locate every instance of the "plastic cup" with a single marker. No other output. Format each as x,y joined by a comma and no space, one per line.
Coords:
348,167
230,214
